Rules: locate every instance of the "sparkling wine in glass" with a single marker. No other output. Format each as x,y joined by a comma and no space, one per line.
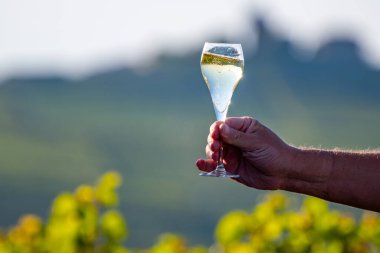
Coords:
222,68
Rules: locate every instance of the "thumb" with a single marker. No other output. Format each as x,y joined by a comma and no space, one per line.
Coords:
235,137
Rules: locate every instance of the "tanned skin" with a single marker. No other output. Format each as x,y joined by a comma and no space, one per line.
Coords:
264,161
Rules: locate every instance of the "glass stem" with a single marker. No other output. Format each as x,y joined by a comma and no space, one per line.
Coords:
220,165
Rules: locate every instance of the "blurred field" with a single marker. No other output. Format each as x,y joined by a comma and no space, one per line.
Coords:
152,125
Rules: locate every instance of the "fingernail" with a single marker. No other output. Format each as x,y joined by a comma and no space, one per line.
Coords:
225,129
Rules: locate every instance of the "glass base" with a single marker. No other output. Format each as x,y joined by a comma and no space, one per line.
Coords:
220,171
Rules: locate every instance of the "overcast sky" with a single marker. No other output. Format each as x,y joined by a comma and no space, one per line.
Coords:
76,37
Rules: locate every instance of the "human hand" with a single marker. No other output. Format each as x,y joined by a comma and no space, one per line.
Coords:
251,150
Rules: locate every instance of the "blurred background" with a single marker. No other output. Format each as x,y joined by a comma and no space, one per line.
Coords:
89,86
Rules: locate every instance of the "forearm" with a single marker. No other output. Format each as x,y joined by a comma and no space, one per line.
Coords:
351,178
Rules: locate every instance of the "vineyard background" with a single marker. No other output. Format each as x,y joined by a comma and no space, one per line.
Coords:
151,125
87,220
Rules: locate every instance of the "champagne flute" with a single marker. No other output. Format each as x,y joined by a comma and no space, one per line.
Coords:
222,68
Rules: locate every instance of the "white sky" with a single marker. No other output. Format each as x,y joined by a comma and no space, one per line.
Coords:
76,37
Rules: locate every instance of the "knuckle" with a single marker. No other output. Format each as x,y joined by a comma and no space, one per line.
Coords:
213,125
209,139
254,125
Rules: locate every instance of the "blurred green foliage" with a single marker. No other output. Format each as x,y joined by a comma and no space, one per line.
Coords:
273,227
87,221
83,221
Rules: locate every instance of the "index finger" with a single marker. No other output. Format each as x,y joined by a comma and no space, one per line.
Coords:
214,131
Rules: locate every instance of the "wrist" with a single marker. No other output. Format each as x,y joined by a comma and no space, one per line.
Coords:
308,171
